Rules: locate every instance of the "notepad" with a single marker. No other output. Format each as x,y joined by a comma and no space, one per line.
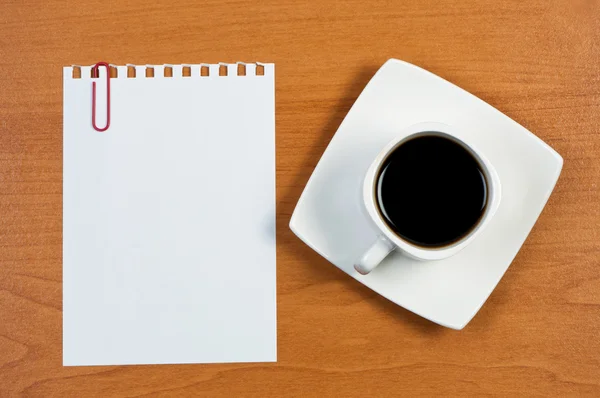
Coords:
169,215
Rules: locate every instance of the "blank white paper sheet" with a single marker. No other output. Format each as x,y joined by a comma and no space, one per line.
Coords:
169,217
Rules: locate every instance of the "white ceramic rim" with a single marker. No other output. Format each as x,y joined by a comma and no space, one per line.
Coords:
419,252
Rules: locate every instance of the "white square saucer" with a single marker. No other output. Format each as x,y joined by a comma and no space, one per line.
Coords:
330,217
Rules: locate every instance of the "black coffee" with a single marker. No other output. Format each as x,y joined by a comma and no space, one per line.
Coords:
431,191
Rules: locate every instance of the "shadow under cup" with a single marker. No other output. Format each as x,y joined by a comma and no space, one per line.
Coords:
431,190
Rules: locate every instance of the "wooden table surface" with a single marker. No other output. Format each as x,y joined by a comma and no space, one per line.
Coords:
538,61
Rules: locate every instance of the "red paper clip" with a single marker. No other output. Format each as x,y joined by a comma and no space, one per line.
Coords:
96,73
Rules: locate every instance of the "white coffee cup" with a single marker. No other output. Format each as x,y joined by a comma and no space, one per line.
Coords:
388,240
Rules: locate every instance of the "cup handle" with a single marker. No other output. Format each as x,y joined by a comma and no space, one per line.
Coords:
376,253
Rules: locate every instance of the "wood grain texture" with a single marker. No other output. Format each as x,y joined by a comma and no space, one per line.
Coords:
537,61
